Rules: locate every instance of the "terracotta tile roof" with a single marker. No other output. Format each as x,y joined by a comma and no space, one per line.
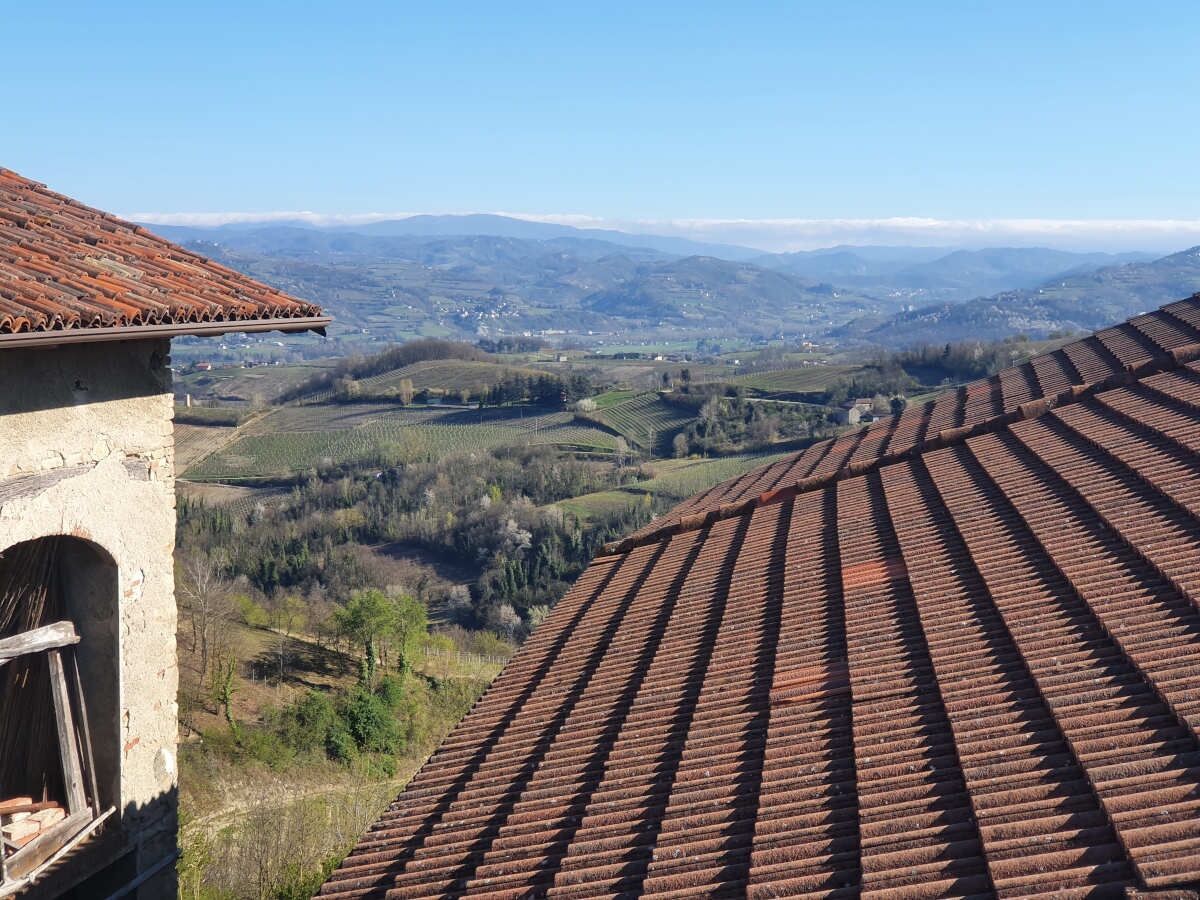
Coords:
65,267
964,664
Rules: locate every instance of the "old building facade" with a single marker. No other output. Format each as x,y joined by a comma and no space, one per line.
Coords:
88,671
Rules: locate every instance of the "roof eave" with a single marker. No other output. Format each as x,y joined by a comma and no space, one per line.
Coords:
31,339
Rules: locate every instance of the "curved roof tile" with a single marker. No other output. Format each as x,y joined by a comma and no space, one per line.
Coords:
65,267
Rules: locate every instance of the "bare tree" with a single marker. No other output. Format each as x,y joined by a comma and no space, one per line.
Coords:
206,597
287,616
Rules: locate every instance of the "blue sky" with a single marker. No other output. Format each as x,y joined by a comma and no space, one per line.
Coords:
629,114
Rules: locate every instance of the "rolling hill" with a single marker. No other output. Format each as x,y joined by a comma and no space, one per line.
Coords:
1080,302
923,275
427,226
393,288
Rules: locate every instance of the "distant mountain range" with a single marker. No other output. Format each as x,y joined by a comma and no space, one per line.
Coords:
484,275
923,274
1083,301
476,285
479,224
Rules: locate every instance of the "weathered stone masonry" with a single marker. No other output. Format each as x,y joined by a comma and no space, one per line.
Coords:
86,450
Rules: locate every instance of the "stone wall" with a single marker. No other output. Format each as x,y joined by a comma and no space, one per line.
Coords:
86,450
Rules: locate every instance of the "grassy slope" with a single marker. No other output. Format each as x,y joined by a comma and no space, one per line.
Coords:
314,810
674,480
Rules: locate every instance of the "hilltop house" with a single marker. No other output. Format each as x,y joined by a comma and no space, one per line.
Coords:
855,410
88,306
955,653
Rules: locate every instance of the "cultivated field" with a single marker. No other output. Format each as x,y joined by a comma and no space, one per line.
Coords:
446,375
643,419
810,379
298,439
194,442
258,385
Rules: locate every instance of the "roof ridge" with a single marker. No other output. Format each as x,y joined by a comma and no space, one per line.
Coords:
1168,360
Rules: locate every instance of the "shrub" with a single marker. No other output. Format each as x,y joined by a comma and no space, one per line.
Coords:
371,723
390,691
307,723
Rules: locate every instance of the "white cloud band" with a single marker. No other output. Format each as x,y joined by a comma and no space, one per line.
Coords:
784,234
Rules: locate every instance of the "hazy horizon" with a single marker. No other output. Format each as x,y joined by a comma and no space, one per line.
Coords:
783,235
775,126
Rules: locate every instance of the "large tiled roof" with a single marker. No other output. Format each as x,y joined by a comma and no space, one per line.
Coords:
73,271
969,666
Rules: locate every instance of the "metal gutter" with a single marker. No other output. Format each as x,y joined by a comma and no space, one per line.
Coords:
27,339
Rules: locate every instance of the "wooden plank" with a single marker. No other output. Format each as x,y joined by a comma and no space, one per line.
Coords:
24,804
68,749
89,758
48,637
14,804
42,847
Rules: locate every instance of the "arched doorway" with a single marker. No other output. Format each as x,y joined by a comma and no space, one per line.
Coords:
59,708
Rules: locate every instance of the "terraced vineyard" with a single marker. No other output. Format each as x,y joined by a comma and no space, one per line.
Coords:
298,439
645,419
810,379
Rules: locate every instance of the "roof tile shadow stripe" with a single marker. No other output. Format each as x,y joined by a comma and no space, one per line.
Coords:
652,816
570,816
1088,361
521,778
610,849
379,881
840,451
947,438
723,861
1157,395
1052,375
1063,620
1176,605
1185,315
1014,388
1071,369
1141,339
424,865
1105,352
956,608
1164,331
810,681
1006,462
1169,449
890,663
705,830
875,441
925,414
960,406
1161,498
